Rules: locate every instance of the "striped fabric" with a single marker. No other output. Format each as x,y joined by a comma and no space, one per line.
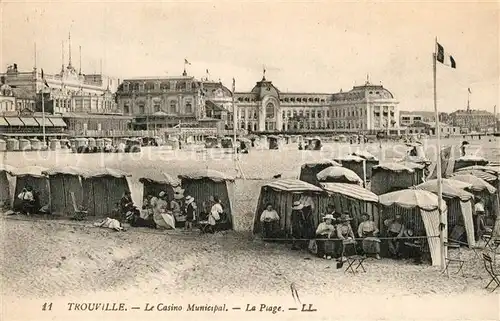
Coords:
478,184
478,173
466,209
351,190
489,169
292,185
431,223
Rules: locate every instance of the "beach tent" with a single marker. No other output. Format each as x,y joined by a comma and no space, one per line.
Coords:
63,181
495,170
5,194
390,177
308,171
365,154
356,164
486,176
418,169
459,203
102,188
281,194
469,160
420,208
337,174
273,141
482,189
156,182
350,198
205,183
31,176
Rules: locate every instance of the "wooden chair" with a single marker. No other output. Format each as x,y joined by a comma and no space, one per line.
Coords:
354,261
490,268
79,212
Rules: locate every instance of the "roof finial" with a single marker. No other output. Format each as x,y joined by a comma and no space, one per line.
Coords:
62,56
263,72
367,79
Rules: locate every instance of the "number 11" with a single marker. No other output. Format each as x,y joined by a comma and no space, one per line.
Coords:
47,306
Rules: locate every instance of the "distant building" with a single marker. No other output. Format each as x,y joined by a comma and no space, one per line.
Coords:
429,128
367,108
473,120
407,118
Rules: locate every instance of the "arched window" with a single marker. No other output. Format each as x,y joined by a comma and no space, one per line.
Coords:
270,110
189,107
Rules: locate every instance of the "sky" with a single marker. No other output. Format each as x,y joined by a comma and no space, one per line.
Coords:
305,46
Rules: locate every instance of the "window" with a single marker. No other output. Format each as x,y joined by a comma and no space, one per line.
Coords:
270,110
189,107
149,86
173,106
141,108
136,86
157,106
165,86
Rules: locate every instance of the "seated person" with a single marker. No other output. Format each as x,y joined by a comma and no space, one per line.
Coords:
413,247
116,212
126,203
367,230
326,230
27,200
175,207
133,217
395,228
346,236
330,209
268,220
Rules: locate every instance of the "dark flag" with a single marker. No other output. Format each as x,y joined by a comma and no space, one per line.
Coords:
186,61
445,58
44,80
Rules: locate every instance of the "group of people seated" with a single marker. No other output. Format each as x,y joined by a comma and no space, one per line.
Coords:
335,236
160,212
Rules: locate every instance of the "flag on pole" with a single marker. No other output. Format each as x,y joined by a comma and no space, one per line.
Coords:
234,85
445,58
470,92
44,80
186,62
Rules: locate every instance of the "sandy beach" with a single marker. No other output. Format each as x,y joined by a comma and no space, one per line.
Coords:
61,261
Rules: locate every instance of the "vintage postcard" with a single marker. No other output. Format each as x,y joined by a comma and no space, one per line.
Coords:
249,160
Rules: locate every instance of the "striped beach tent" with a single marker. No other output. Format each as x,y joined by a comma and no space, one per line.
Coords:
281,194
418,209
32,176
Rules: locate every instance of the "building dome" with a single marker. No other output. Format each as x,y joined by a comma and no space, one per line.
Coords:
366,91
265,88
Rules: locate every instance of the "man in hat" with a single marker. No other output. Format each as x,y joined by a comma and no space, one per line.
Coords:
126,203
175,206
367,230
324,232
298,223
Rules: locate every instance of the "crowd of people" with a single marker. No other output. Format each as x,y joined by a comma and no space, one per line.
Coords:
160,212
335,237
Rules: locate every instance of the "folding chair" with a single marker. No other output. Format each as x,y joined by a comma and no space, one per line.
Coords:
354,262
490,268
79,212
456,260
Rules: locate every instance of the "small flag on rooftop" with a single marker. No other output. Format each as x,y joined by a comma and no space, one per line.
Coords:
445,58
186,61
44,80
470,92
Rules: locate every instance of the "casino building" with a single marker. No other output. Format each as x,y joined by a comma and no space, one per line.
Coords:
368,108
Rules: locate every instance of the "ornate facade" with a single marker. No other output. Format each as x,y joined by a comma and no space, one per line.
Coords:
364,108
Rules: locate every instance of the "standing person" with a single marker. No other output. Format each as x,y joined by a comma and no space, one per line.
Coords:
160,208
368,231
479,212
190,211
268,219
298,222
462,148
175,207
27,200
215,212
309,228
326,229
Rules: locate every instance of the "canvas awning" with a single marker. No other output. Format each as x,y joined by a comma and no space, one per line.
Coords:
29,121
293,185
47,121
14,121
351,190
3,122
58,122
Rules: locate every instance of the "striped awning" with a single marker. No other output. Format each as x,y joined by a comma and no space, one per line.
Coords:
58,122
350,190
29,121
292,185
48,123
14,121
478,173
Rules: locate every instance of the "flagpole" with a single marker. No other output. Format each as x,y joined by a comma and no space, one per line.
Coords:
43,118
438,163
235,123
